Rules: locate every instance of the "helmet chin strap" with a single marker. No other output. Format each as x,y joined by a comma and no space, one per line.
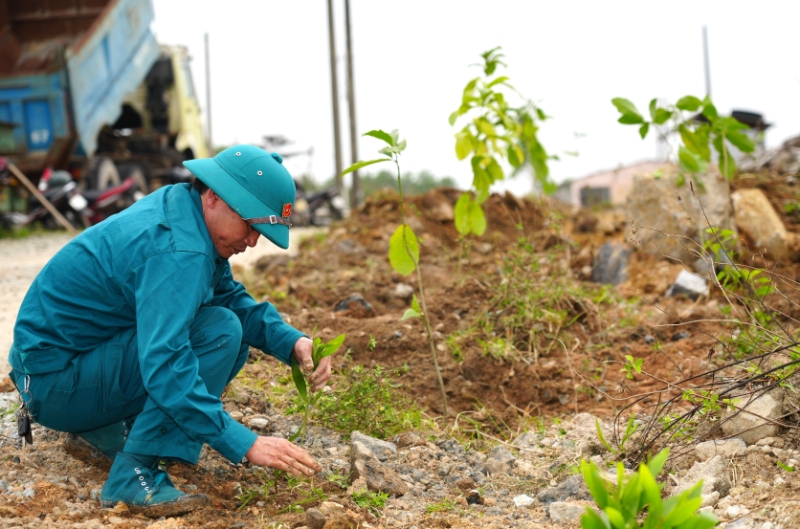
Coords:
271,219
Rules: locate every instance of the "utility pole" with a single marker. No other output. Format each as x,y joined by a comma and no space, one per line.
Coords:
208,98
351,103
335,95
705,61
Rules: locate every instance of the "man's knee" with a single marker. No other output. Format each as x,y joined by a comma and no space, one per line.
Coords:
216,328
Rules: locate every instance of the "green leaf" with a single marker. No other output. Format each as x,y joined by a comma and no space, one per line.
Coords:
656,463
631,119
330,348
461,214
454,117
359,165
615,517
652,108
643,130
494,170
485,127
594,483
477,219
696,142
299,379
688,103
662,116
463,144
381,135
602,437
626,107
515,156
787,468
688,160
741,141
540,114
591,520
710,111
497,81
727,164
411,313
404,250
415,304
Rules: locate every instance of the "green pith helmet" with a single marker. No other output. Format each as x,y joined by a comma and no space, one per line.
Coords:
254,184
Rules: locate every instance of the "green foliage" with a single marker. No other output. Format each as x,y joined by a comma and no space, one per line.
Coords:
496,132
372,501
698,132
631,364
630,429
319,350
446,505
368,400
404,250
636,501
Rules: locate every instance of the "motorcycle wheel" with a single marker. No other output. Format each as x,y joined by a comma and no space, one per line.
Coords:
101,173
127,170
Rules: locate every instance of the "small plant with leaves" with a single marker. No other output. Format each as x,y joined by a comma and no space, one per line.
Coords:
496,132
319,350
636,500
372,501
631,365
700,126
403,244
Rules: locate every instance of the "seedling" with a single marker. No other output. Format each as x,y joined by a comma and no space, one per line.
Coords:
636,500
319,350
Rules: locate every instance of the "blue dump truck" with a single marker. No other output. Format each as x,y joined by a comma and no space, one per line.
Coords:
85,87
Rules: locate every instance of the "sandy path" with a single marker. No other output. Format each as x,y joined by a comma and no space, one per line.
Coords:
22,259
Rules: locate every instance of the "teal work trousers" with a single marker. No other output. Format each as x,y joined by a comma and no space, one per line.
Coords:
105,386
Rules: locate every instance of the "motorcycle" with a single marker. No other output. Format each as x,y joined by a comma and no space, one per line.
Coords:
319,208
80,208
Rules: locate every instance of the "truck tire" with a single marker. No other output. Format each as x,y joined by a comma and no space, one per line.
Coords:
127,170
101,173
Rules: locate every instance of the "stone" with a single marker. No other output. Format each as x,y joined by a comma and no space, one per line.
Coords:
691,285
758,220
746,419
315,519
668,220
502,454
523,500
727,448
356,306
714,474
383,450
571,488
474,497
493,467
403,291
567,512
378,477
258,423
611,264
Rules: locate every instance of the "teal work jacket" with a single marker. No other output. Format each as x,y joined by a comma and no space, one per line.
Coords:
151,266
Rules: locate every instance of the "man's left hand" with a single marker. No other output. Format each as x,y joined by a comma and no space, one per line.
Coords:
302,352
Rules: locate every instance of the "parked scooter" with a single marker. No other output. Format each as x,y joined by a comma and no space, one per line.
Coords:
81,208
318,209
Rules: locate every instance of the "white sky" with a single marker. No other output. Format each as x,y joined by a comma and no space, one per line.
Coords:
270,71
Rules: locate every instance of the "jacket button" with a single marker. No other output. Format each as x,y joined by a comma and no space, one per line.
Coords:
163,430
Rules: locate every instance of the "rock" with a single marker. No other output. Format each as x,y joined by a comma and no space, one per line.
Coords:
714,474
408,439
611,264
315,519
356,306
378,477
688,284
403,291
567,512
667,218
502,454
727,448
383,450
527,441
493,467
571,488
350,247
258,423
474,498
757,219
678,336
746,422
523,500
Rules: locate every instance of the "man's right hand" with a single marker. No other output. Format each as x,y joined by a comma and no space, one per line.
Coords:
280,454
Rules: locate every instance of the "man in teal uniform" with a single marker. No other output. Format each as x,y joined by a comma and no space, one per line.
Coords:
129,335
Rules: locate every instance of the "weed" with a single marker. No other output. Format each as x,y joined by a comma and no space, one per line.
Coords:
444,505
372,501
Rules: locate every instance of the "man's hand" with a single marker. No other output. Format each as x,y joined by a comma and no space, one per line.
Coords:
279,453
302,351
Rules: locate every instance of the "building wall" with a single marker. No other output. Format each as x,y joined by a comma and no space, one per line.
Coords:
618,181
